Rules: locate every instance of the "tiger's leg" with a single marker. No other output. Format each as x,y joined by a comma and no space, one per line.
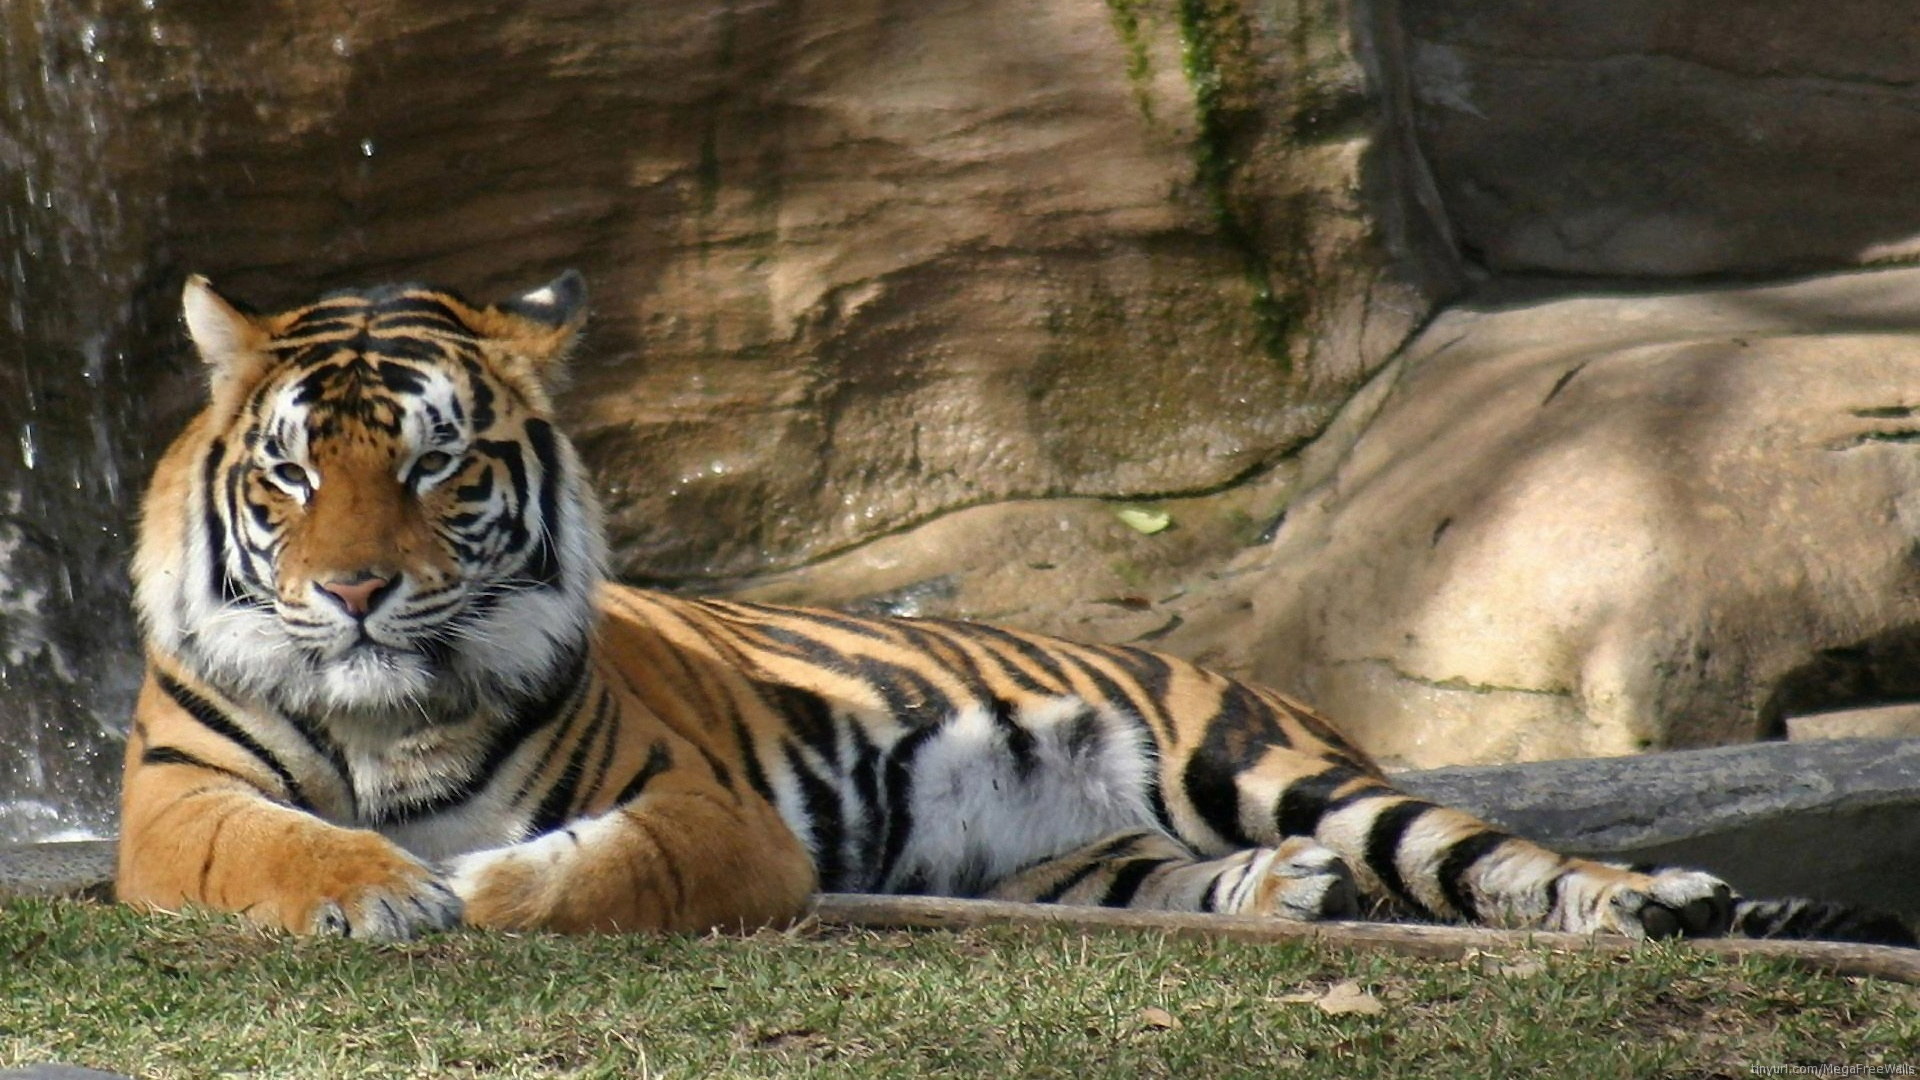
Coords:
1295,879
204,821
1441,863
681,851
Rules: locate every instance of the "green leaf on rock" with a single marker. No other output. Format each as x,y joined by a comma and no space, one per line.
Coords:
1145,520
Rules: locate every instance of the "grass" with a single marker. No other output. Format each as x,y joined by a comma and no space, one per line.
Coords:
176,996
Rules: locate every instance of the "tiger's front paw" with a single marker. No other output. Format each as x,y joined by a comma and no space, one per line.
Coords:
1670,903
513,887
369,888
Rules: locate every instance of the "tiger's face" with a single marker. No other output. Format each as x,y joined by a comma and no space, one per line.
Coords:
374,513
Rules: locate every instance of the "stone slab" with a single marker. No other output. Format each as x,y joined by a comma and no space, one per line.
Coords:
74,868
1837,819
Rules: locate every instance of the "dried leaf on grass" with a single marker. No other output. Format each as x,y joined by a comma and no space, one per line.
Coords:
1159,1019
1341,999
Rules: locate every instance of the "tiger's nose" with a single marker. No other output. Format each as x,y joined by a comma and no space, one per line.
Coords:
358,593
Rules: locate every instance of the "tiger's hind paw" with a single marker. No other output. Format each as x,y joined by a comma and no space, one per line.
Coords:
1671,903
1299,880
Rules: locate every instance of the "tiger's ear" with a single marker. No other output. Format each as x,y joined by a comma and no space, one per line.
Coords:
232,343
531,334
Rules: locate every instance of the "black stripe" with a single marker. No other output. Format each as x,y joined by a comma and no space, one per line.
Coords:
950,649
545,567
766,616
659,760
556,809
173,755
1123,699
1094,860
323,744
1383,849
1553,888
1211,787
1461,858
806,714
1058,889
1154,676
718,768
609,742
1054,679
1311,798
863,768
796,644
210,716
910,698
400,378
1127,881
1020,742
898,795
756,776
479,384
215,526
825,826
509,455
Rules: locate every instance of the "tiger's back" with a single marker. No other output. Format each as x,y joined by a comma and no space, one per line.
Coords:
389,691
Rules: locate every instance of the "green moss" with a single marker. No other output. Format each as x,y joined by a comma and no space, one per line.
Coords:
1214,41
1126,22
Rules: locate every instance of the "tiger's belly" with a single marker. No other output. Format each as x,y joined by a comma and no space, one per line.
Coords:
953,806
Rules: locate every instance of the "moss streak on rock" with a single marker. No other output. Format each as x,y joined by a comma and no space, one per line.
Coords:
1214,43
1126,22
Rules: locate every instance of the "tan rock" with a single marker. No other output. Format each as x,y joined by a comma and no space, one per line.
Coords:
1885,722
856,265
1597,525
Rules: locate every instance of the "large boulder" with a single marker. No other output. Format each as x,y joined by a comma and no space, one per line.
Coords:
1602,524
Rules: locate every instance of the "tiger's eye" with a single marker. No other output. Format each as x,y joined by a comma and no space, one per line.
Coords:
291,475
431,462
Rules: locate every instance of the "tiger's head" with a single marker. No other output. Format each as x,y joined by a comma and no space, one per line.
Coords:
374,513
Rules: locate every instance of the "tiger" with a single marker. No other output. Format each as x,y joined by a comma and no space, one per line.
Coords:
392,690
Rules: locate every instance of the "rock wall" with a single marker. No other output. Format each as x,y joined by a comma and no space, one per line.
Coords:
857,267
1671,137
1074,314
